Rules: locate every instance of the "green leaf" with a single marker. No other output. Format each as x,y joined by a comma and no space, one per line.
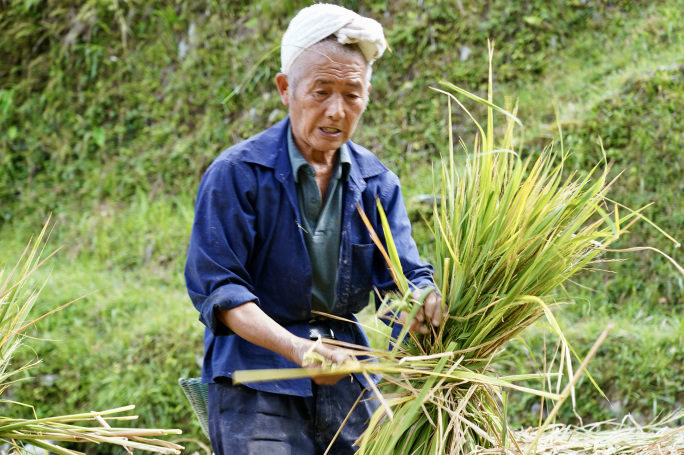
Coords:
99,136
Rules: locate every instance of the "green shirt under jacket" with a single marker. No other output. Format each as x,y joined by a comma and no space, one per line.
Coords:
321,221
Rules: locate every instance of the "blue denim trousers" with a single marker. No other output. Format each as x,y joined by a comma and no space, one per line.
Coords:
247,421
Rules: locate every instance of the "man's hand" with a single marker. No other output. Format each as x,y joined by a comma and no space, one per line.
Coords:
331,355
248,321
430,310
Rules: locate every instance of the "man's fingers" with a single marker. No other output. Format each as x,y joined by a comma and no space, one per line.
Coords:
429,307
333,355
433,308
416,325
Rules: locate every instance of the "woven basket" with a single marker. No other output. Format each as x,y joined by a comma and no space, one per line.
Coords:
197,393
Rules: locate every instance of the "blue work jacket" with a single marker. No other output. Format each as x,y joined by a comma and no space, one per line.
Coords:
247,245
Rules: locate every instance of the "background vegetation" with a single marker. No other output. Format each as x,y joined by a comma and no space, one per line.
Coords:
110,111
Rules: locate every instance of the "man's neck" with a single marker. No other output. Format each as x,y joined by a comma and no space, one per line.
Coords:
317,158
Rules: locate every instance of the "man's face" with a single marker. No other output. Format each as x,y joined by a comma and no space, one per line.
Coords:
328,98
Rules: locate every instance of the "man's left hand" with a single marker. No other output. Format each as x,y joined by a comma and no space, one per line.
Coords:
430,310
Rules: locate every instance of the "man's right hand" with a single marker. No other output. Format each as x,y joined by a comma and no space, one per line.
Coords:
331,355
249,322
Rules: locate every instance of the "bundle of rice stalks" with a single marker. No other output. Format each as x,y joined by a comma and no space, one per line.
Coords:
17,297
507,234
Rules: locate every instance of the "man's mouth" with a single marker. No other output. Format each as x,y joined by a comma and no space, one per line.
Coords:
330,130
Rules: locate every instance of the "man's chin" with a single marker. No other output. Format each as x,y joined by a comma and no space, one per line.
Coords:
330,144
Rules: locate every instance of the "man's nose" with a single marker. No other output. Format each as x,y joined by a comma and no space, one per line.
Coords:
335,109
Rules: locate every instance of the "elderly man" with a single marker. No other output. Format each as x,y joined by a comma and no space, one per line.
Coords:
277,235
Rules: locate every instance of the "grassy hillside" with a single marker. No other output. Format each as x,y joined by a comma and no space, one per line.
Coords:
110,112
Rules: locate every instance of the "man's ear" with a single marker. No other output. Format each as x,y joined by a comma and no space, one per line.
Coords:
283,86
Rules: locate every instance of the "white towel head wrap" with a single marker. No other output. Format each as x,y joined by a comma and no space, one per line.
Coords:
316,22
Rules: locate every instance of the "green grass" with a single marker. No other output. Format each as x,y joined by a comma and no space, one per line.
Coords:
112,133
637,367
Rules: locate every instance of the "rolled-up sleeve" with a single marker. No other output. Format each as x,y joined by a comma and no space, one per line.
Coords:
221,243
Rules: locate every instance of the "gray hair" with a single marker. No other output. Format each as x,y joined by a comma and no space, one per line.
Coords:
330,42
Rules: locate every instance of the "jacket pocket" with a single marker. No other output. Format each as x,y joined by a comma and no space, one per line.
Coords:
361,283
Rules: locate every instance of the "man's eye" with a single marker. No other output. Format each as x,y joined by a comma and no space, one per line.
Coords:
321,92
352,95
